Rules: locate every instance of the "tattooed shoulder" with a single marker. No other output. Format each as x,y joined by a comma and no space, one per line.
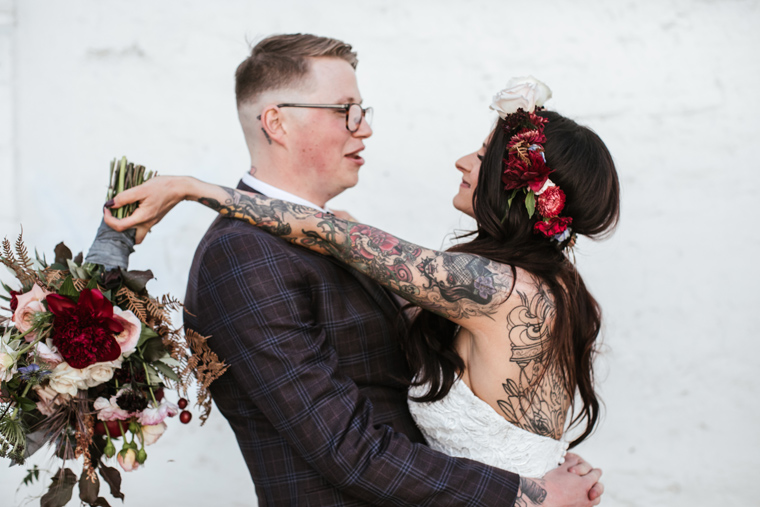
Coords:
536,400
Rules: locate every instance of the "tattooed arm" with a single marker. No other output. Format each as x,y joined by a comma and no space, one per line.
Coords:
455,285
575,483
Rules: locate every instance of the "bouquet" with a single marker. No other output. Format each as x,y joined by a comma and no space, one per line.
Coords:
88,357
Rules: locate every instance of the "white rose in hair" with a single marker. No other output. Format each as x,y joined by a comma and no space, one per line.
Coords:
521,92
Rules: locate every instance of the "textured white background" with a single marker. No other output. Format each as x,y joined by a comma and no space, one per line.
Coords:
670,85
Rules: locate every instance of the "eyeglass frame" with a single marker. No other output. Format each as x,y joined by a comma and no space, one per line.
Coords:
347,108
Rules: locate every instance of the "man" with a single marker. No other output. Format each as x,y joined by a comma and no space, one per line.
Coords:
315,391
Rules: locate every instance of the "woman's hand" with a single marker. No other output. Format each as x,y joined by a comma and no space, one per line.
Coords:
156,197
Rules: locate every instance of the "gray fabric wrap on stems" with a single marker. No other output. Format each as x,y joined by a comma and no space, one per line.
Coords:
111,248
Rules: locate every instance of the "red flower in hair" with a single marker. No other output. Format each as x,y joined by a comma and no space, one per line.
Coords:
529,136
554,225
551,202
519,174
538,121
84,331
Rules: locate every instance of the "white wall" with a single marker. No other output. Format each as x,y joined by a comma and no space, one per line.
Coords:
671,86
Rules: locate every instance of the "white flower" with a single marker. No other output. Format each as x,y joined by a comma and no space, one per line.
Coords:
67,380
548,183
98,373
521,92
152,416
7,366
8,357
108,410
152,433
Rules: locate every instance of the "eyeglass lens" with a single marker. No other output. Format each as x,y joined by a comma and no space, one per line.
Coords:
355,115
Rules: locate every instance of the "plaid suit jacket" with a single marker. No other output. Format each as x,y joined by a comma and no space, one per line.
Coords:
315,391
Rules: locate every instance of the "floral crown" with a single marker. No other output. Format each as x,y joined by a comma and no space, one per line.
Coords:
525,163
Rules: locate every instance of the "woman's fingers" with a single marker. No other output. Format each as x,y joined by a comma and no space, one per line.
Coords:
121,224
596,491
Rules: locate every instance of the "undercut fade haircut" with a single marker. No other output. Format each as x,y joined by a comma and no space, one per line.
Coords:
281,61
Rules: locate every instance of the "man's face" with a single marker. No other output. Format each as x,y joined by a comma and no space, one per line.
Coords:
328,153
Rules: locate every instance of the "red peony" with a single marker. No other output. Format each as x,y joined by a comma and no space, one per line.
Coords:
84,331
554,225
551,202
519,174
14,300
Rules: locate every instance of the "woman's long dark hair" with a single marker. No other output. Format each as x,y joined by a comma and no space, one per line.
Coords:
584,170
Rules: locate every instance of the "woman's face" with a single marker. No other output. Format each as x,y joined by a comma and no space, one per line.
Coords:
469,165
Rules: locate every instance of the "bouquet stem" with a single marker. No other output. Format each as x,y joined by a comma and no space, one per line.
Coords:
110,248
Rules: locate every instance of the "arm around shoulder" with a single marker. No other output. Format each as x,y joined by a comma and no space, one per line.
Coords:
286,364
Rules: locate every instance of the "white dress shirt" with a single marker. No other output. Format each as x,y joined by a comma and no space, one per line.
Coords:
278,193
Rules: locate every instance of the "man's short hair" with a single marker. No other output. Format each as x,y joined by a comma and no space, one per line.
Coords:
280,61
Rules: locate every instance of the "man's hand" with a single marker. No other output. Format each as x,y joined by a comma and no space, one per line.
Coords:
573,484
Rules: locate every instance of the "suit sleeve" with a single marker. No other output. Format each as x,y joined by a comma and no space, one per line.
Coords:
282,360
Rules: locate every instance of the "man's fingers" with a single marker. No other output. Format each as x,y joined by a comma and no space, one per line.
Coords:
596,491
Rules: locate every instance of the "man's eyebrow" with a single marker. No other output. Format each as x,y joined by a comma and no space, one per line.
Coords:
348,100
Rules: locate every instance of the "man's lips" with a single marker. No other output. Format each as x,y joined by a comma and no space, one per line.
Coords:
355,157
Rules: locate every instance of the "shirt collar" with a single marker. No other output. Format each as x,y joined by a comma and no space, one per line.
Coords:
278,193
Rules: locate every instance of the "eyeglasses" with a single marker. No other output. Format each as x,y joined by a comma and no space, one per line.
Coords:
354,113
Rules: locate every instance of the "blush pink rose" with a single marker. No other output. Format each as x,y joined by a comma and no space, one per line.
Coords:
128,460
108,410
49,399
128,338
152,416
151,434
48,353
27,305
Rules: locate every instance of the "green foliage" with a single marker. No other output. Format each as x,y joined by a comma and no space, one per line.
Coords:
67,289
530,203
32,474
165,370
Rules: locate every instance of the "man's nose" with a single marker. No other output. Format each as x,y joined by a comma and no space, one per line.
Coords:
364,131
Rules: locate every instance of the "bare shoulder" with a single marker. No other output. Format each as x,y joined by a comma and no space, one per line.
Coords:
507,365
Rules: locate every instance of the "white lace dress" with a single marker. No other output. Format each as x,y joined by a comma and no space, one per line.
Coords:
463,425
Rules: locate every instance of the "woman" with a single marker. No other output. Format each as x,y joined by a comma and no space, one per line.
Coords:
507,333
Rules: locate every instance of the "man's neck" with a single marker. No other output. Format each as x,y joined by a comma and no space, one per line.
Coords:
277,190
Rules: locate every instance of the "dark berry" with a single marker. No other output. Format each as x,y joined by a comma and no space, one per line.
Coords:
185,416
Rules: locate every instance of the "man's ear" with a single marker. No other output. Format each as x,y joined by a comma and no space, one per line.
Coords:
272,125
